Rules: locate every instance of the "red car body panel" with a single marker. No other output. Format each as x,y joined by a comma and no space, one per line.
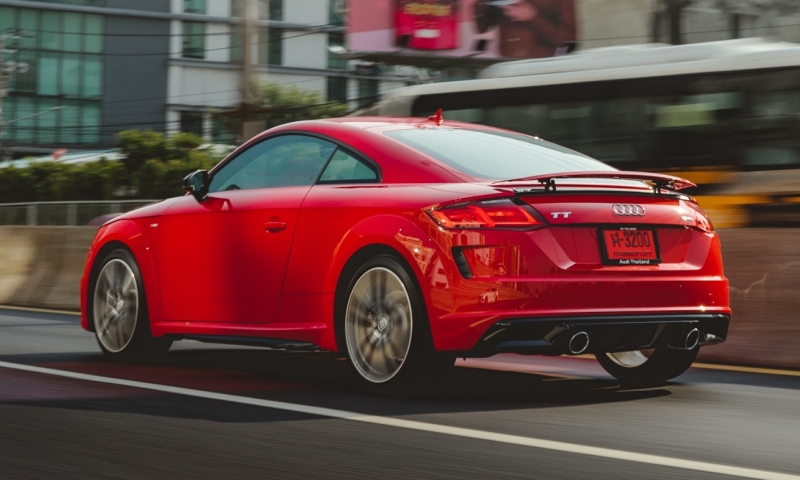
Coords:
214,268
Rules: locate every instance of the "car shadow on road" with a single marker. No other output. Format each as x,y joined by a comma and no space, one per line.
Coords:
312,379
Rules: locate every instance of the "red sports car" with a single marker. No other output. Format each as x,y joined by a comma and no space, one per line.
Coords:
405,243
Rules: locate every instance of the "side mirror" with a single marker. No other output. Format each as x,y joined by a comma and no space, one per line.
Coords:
196,183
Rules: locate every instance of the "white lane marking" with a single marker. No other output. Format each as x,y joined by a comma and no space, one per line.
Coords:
39,310
424,427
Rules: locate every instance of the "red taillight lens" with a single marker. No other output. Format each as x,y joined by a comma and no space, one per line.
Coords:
484,215
701,219
703,223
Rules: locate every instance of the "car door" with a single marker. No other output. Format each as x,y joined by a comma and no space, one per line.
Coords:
223,259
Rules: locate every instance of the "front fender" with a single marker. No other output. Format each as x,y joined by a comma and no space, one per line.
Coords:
131,234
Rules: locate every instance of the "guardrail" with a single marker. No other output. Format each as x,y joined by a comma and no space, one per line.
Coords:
41,267
69,213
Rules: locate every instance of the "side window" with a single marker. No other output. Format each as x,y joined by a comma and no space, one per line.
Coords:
343,167
285,161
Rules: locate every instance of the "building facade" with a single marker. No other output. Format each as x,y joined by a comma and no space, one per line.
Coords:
79,71
292,43
603,23
82,70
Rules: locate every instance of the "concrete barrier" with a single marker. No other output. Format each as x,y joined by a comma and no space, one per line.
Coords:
41,267
763,267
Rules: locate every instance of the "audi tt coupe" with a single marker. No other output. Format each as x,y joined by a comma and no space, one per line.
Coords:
404,243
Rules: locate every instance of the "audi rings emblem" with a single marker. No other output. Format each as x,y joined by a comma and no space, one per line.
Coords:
628,210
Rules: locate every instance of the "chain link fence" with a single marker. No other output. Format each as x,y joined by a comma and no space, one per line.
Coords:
65,213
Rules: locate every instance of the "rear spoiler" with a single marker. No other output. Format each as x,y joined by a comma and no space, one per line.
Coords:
658,181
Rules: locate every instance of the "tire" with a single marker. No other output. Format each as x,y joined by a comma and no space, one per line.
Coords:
119,311
634,368
385,332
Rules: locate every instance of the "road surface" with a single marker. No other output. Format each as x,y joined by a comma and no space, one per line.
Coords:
228,412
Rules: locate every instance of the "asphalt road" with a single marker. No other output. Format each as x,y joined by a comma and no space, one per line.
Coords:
253,413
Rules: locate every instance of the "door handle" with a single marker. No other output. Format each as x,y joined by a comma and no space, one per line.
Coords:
274,226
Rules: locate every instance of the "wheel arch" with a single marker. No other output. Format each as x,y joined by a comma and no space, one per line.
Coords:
380,235
127,235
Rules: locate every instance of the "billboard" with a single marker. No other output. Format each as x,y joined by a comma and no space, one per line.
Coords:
473,28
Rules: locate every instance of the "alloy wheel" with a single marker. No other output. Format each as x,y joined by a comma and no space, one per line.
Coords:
631,359
378,324
116,305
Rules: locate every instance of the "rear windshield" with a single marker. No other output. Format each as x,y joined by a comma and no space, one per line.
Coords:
495,155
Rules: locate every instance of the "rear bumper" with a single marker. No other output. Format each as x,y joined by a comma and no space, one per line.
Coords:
551,335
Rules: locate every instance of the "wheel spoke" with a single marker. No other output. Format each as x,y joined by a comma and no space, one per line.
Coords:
378,324
630,359
390,363
116,303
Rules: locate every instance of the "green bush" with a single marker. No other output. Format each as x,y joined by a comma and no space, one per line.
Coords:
286,104
140,146
153,163
16,185
88,181
50,181
157,179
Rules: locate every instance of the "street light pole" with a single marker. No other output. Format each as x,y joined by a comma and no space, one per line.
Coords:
247,97
2,90
10,33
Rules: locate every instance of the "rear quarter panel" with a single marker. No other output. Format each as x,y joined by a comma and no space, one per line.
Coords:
338,220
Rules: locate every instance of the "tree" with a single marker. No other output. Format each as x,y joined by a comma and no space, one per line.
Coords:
140,146
278,104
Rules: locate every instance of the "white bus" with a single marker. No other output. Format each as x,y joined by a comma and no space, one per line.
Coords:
654,107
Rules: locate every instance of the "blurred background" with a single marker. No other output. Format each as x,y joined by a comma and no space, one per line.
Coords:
107,104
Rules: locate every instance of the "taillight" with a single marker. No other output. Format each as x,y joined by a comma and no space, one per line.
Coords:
701,219
489,214
703,223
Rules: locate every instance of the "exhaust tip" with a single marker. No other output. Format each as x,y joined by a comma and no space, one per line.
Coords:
578,343
692,338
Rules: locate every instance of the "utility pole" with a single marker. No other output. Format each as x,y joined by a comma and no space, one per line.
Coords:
11,66
247,69
250,127
674,10
3,36
247,97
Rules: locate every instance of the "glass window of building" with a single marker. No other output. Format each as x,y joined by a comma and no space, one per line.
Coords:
85,3
48,74
194,39
50,36
47,119
265,9
192,122
55,98
194,6
90,123
275,8
92,76
237,43
71,75
72,31
337,12
367,91
270,46
337,89
28,21
93,38
336,39
70,123
223,130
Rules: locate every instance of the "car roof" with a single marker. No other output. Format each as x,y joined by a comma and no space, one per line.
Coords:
399,163
382,124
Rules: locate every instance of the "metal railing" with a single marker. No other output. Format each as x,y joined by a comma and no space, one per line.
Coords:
64,213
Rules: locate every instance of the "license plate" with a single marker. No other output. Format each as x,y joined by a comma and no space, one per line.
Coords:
629,246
